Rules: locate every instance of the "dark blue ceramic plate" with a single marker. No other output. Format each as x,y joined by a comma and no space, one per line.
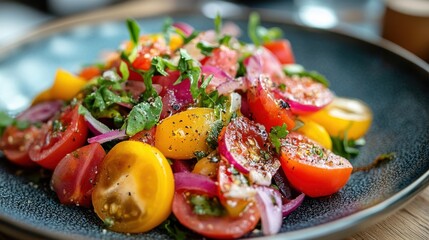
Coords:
393,83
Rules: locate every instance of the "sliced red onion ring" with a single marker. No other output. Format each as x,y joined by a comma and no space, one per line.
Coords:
40,112
195,182
181,166
241,145
283,184
136,88
293,204
109,136
215,71
269,203
184,27
232,86
95,126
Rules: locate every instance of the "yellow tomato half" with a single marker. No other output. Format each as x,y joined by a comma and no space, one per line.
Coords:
181,135
65,87
134,189
315,132
344,115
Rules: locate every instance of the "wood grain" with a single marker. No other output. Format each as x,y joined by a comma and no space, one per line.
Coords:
411,222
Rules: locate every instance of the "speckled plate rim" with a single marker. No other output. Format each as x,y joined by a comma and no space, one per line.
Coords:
335,229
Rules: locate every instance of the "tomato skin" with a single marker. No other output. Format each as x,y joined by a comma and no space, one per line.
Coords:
74,177
304,95
282,50
134,188
316,132
266,110
145,136
225,227
16,143
51,146
312,169
90,72
181,135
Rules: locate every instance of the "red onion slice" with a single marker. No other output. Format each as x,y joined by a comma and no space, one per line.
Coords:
269,203
195,182
181,166
95,126
184,27
244,145
293,204
109,136
40,112
283,184
232,86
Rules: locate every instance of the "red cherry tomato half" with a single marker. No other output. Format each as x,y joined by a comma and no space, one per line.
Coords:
58,138
311,168
16,143
304,95
244,144
146,136
214,227
74,177
282,50
266,109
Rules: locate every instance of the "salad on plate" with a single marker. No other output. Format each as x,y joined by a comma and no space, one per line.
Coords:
195,129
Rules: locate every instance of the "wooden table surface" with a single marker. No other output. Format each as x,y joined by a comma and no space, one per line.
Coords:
411,222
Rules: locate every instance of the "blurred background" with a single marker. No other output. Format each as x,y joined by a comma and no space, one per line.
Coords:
405,22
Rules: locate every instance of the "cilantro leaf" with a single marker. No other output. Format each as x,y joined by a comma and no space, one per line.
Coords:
347,148
276,133
123,68
143,116
258,34
167,28
218,24
134,30
5,121
206,48
189,68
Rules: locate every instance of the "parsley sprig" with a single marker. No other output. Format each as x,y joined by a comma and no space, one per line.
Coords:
277,133
260,35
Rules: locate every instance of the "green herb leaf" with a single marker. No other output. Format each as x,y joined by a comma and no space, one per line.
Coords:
206,48
187,39
212,137
277,133
203,205
345,147
218,24
189,68
5,121
253,28
167,28
225,40
123,68
143,116
134,30
258,34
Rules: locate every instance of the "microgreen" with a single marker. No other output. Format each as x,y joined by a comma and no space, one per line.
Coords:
277,133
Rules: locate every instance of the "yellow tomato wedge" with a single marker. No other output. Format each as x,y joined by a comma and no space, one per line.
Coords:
181,135
42,96
134,189
344,115
66,85
315,132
